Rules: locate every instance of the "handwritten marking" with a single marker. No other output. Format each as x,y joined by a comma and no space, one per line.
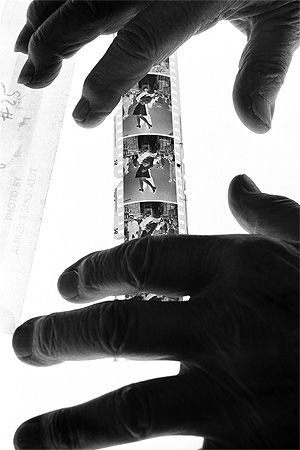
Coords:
5,114
9,102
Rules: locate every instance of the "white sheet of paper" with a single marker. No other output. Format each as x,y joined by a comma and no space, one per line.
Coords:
30,124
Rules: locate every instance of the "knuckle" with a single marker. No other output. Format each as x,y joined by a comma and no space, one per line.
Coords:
270,59
116,325
90,273
59,429
262,66
263,264
45,346
139,258
133,411
160,37
133,40
250,255
44,335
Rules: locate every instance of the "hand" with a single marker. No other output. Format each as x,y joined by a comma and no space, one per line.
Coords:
150,31
236,338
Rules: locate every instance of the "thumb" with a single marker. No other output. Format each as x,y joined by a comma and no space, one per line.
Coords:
272,40
272,215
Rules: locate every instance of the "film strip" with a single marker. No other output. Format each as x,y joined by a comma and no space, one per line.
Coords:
148,157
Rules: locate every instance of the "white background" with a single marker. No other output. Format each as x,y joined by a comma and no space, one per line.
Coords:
78,216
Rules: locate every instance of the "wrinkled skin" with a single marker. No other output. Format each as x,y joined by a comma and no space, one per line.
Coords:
237,336
150,31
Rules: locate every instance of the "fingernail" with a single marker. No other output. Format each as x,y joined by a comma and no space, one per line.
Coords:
81,109
23,338
29,435
68,285
262,109
248,184
27,73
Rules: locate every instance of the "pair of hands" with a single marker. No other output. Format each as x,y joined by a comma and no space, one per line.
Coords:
237,336
150,31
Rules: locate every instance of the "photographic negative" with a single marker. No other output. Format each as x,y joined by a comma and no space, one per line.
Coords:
149,218
162,68
150,297
149,168
147,107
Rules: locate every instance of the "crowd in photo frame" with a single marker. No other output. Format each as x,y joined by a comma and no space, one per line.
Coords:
151,222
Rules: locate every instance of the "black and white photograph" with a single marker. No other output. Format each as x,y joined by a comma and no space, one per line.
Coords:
150,219
149,297
147,107
129,321
162,68
149,169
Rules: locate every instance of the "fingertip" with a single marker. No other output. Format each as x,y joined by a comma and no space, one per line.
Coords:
81,110
95,105
68,284
29,435
20,49
27,73
240,187
248,184
85,117
23,340
29,342
263,110
254,110
260,213
38,78
233,192
90,122
242,183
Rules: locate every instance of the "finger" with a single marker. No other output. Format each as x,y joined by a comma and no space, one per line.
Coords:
163,406
149,38
133,329
166,265
271,215
264,64
38,11
66,30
